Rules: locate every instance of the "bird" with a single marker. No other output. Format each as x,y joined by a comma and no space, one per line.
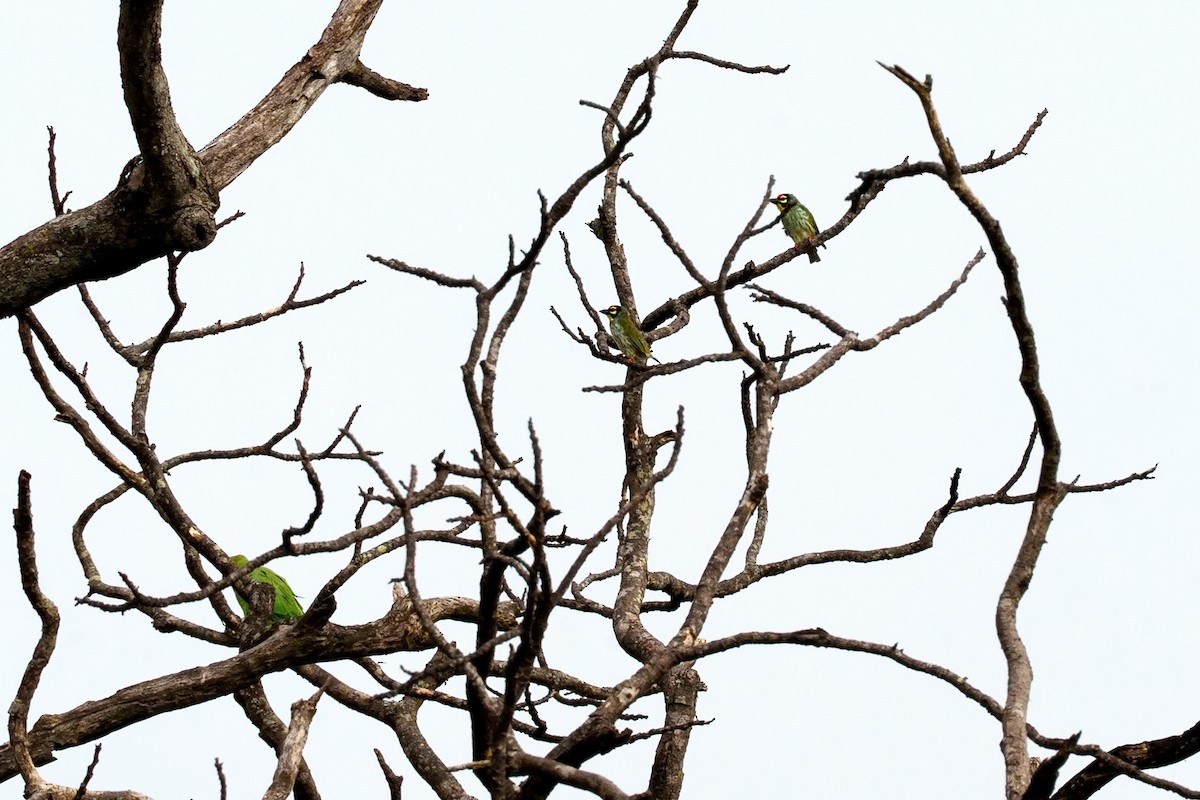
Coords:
286,606
625,332
798,223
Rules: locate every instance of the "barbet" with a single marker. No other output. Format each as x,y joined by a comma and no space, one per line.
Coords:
625,332
286,605
798,223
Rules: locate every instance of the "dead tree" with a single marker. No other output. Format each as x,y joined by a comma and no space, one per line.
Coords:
533,726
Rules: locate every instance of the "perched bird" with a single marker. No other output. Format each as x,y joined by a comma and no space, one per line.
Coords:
798,223
626,333
286,606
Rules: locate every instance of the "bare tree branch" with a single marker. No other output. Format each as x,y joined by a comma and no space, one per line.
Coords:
1049,491
292,749
167,198
18,711
532,724
397,631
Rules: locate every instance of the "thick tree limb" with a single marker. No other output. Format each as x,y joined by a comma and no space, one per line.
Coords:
177,194
681,688
166,200
331,60
396,631
1142,755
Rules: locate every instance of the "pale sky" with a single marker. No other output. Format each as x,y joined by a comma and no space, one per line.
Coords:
1099,212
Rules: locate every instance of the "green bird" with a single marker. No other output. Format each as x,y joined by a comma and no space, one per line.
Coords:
286,606
798,223
626,333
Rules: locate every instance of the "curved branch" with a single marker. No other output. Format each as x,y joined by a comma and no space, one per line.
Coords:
1049,491
18,710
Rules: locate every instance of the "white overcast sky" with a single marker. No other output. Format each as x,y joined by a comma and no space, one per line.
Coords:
1101,213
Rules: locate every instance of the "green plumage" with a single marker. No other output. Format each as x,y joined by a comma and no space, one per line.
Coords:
286,606
798,223
626,334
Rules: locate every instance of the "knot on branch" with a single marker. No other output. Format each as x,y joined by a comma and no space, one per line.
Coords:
192,228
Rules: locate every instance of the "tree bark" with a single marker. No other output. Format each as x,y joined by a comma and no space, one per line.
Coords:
167,197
